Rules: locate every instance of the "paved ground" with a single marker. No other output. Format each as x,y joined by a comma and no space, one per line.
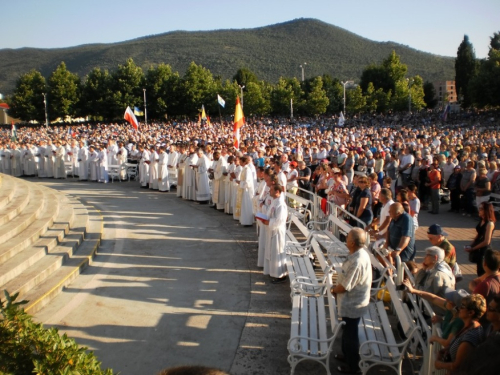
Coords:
176,283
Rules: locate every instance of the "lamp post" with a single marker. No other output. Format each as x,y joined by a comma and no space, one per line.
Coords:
241,89
145,108
302,67
410,83
344,84
45,106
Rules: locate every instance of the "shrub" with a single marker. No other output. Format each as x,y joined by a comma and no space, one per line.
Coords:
27,347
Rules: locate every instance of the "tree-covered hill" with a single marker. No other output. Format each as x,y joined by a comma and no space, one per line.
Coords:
270,52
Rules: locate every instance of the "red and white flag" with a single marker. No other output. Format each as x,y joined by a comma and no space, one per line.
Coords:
239,120
131,119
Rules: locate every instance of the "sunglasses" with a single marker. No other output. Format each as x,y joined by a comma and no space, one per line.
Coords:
490,309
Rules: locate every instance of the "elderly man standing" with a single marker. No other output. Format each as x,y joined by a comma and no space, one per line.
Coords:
437,237
353,296
401,234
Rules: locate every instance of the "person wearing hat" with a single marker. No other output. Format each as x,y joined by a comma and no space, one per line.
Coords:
435,274
453,184
450,322
437,237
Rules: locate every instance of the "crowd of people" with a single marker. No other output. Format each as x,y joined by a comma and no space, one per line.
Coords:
382,170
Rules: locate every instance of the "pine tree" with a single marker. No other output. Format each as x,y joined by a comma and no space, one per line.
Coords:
465,70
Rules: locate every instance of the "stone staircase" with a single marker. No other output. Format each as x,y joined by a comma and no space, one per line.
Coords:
46,239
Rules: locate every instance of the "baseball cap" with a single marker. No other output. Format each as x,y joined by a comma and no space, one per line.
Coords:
436,230
455,296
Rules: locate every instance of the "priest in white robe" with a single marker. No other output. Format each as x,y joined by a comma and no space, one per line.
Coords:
181,167
144,167
228,207
172,165
202,183
6,160
189,184
82,159
219,186
16,160
163,181
153,168
49,159
40,159
121,159
235,176
274,262
102,165
246,188
92,162
59,154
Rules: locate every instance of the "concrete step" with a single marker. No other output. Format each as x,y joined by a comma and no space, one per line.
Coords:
18,264
43,293
48,260
20,199
6,190
51,213
28,215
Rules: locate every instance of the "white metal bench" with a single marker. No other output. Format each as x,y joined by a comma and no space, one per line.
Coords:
131,171
309,338
114,172
69,169
302,209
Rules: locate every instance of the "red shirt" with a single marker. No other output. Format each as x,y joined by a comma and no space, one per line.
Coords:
435,175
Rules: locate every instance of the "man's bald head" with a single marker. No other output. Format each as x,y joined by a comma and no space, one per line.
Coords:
356,239
396,209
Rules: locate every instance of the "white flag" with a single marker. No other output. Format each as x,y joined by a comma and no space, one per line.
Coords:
221,101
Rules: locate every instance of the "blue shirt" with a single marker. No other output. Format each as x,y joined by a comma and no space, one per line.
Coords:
403,227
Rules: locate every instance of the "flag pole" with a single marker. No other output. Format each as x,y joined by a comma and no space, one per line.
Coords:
220,115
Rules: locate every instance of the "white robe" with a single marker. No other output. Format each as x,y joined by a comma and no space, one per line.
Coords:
234,191
163,181
274,259
246,190
92,165
202,184
121,158
29,165
189,185
228,208
153,170
144,168
172,167
59,168
16,162
40,161
74,159
181,166
82,159
6,161
267,200
219,193
112,150
49,160
102,166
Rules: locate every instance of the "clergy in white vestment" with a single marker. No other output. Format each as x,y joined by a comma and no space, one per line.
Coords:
264,205
49,159
282,180
189,184
82,159
93,159
40,159
112,150
144,167
29,160
74,149
121,158
172,165
153,168
260,189
16,160
59,154
6,161
219,192
163,181
246,188
228,207
181,167
202,183
235,176
102,165
274,260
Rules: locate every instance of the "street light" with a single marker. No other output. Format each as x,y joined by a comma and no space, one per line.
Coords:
241,89
344,84
45,105
302,67
145,108
410,83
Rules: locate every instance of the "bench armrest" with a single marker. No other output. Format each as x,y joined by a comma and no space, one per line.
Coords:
401,346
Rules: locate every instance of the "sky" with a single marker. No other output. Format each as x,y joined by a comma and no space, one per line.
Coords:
436,26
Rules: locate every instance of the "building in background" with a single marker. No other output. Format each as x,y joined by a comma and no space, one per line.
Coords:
446,92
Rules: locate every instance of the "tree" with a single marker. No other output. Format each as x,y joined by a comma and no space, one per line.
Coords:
255,102
162,91
127,85
317,101
97,95
244,76
485,86
465,70
284,91
64,91
495,41
371,98
355,100
198,88
27,102
335,94
430,98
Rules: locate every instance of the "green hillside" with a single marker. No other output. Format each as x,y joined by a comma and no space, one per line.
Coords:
270,52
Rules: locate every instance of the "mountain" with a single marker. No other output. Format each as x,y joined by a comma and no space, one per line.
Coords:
270,52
